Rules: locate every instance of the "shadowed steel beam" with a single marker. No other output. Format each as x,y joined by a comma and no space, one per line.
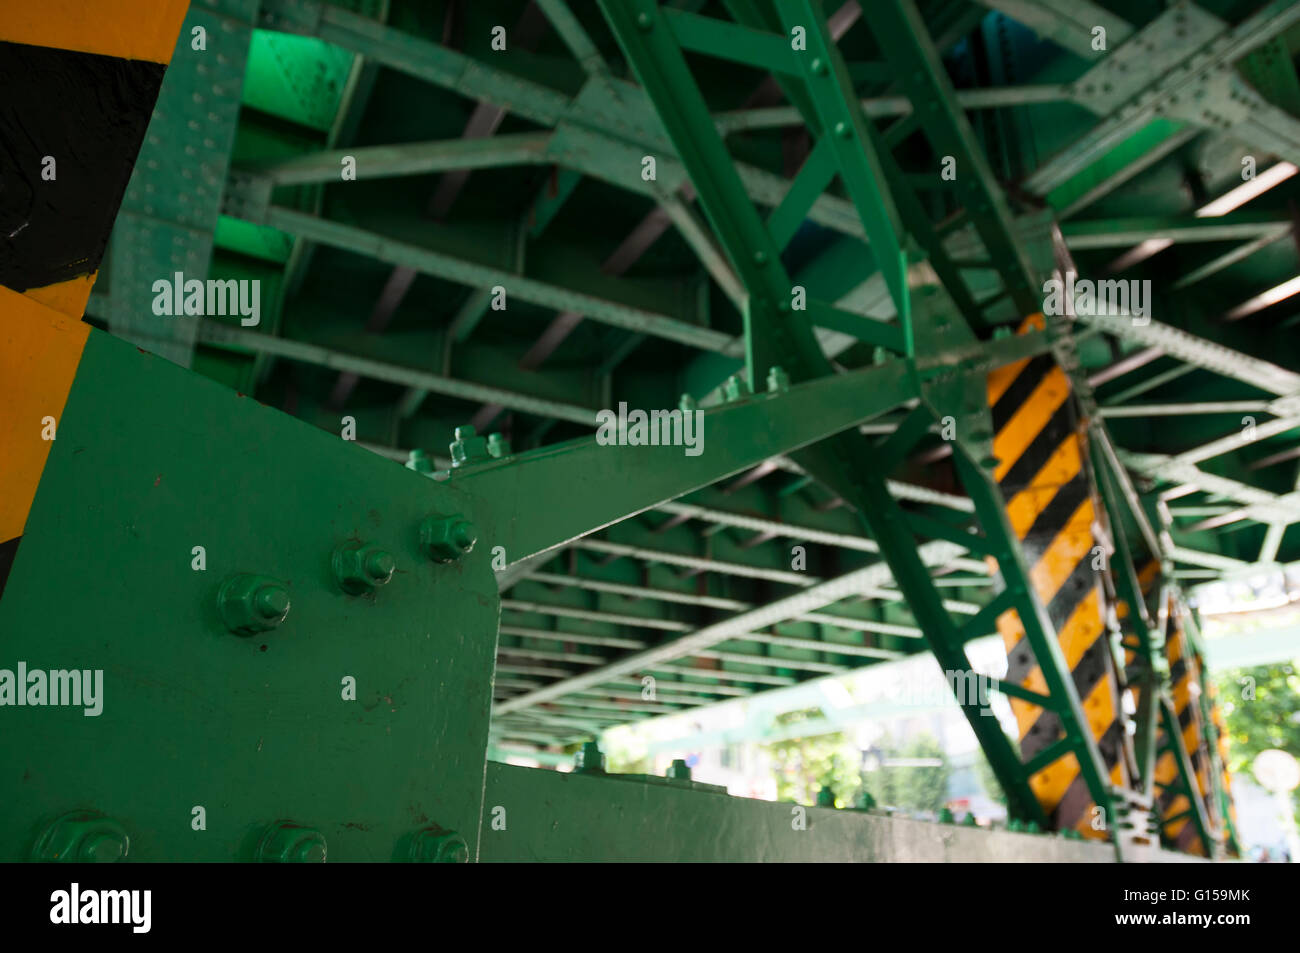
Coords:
461,271
704,639
901,32
213,332
415,158
700,563
771,117
1068,23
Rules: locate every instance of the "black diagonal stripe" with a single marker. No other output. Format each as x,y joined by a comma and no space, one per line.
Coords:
1020,661
1185,716
1176,671
8,550
1111,744
1089,669
1093,665
1059,426
1074,805
1045,730
1076,587
1055,516
1021,389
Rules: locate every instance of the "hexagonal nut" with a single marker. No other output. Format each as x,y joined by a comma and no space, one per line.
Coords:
285,842
436,845
362,567
82,837
445,539
250,604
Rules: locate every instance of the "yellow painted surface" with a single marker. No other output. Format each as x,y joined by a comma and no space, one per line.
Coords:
130,29
67,297
39,352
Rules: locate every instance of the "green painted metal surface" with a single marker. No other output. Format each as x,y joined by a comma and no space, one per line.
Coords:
253,729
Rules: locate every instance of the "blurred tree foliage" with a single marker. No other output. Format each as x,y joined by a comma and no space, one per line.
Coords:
1261,707
805,765
910,788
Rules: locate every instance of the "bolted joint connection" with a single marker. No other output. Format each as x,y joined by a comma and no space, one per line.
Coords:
446,539
679,770
250,604
285,842
82,837
434,845
468,447
362,567
778,381
590,760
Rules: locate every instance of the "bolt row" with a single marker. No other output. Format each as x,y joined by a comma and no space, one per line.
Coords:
250,603
93,837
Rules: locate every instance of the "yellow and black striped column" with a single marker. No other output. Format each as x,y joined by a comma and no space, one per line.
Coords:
1043,475
79,81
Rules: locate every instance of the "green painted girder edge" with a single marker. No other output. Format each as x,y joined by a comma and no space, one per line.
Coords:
571,817
604,484
195,715
902,35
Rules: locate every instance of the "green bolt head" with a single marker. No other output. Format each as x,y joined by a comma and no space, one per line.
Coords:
436,845
970,820
285,842
679,770
82,837
498,446
778,381
946,816
589,760
419,461
468,447
250,604
446,539
825,796
362,567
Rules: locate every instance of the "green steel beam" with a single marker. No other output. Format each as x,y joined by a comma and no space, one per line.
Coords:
877,107
1068,23
704,639
223,335
413,158
1124,232
739,435
1173,735
902,35
476,275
